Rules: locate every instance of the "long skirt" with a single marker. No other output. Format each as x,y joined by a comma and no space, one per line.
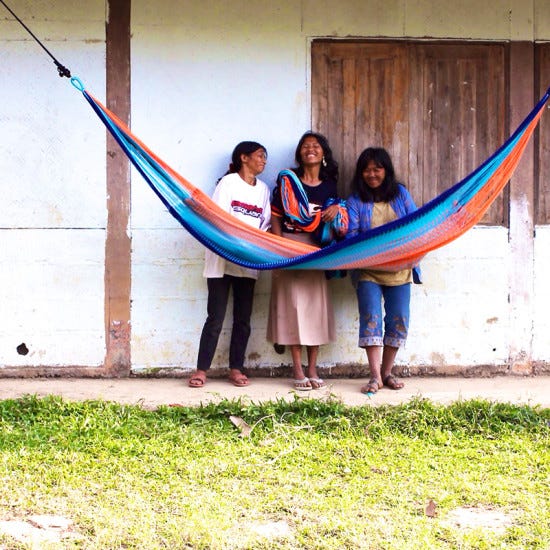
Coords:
300,308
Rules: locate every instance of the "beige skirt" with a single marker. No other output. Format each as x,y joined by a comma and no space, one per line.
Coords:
300,309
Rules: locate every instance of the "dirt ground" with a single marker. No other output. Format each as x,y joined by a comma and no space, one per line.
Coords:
152,392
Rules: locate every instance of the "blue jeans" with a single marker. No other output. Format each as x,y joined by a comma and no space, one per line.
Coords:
396,319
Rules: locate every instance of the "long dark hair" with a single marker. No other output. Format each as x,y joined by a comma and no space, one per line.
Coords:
328,172
243,148
390,186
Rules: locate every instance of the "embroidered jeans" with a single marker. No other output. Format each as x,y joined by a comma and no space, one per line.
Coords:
396,301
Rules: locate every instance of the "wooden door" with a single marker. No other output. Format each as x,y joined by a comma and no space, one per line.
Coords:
360,98
439,109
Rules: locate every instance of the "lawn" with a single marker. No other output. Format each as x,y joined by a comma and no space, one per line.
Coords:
310,474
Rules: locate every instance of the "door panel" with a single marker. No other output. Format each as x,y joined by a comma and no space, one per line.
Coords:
352,85
461,115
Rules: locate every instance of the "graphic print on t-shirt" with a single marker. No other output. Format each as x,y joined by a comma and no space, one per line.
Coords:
246,209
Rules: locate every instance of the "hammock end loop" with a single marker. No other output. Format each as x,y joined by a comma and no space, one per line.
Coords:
77,83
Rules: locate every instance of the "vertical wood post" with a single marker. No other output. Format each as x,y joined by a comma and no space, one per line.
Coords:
118,242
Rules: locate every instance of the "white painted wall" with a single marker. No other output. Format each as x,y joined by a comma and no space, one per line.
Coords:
206,75
541,321
52,184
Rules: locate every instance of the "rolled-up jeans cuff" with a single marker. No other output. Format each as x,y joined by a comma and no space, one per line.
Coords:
394,342
371,341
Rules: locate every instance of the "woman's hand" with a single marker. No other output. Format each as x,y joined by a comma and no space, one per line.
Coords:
330,213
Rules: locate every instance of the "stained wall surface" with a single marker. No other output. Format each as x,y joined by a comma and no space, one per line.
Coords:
52,183
205,75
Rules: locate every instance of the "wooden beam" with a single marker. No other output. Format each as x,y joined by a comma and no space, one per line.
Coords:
118,242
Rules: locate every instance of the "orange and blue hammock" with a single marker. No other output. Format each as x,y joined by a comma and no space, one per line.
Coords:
397,245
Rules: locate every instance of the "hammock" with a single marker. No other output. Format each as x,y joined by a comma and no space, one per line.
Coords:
397,245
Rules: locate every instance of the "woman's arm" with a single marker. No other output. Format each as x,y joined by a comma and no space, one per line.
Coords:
408,201
354,224
276,225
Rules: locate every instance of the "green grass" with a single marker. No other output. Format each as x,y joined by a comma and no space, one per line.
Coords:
327,475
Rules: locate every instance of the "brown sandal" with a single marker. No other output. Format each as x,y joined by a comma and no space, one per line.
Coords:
198,379
393,383
372,386
238,379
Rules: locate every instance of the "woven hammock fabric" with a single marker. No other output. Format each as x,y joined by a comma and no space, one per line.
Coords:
397,245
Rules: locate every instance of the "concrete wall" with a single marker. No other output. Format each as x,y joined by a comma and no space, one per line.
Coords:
52,183
206,75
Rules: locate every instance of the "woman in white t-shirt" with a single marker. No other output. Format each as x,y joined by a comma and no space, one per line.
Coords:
247,198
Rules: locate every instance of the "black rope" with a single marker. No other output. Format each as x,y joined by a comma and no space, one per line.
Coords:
61,69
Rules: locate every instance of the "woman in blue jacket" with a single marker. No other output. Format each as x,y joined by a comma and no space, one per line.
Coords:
379,199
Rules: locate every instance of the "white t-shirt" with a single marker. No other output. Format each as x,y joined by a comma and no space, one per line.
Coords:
248,203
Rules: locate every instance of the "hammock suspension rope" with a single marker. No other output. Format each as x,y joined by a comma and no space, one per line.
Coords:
61,69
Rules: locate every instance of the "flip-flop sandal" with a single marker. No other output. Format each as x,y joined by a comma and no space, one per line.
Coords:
240,380
371,387
197,380
303,385
317,383
393,383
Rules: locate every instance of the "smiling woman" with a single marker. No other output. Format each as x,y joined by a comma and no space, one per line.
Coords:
379,199
305,202
244,196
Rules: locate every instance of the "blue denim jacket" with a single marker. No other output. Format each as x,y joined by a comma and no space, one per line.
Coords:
360,217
